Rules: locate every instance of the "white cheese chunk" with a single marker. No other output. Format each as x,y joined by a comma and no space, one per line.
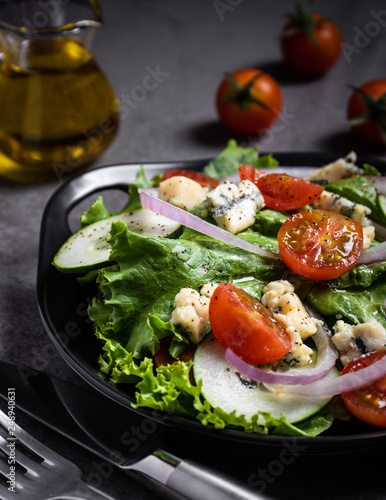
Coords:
354,340
368,236
335,203
356,211
192,311
343,168
182,192
234,207
280,298
345,342
208,289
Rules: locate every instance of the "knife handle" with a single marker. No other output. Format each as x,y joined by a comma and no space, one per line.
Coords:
178,479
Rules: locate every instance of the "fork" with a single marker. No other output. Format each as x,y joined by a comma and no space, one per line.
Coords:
38,472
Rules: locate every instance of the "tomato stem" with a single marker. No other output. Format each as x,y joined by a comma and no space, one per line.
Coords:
242,94
375,111
302,21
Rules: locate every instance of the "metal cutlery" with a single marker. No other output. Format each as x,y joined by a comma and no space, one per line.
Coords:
35,472
107,429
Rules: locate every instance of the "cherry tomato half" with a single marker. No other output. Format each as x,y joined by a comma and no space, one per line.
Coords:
319,244
367,403
248,101
282,191
310,43
366,112
249,173
203,179
243,324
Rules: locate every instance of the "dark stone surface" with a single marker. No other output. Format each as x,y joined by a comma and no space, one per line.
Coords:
193,46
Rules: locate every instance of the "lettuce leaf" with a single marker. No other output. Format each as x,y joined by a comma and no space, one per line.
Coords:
140,182
228,161
360,276
266,161
358,189
267,242
268,221
96,212
162,329
169,389
356,304
148,274
370,170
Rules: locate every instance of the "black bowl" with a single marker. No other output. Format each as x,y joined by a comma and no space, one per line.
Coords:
63,304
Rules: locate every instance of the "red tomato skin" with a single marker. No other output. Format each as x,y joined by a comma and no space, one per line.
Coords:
367,403
249,173
255,119
315,230
203,179
369,132
307,58
243,324
281,191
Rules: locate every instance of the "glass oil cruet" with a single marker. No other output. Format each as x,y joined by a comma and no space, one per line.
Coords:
57,108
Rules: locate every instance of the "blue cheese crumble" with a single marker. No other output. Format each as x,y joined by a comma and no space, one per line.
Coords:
354,340
342,168
234,207
280,298
335,203
192,312
356,211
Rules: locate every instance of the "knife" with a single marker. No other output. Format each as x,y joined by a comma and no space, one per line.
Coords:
125,439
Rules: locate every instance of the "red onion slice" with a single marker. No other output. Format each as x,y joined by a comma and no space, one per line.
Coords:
373,254
235,178
304,376
380,230
379,183
343,383
149,199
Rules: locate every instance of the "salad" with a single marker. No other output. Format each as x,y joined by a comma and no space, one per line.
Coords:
244,296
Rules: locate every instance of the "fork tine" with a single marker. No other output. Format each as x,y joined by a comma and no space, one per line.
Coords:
5,494
22,459
4,468
53,477
33,444
30,442
4,419
3,445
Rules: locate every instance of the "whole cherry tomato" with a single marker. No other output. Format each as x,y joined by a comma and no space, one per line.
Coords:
366,112
310,42
248,101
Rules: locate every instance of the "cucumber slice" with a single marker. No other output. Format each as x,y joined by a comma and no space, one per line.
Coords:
225,388
88,248
382,206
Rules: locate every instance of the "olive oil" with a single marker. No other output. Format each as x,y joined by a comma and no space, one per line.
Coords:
57,108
